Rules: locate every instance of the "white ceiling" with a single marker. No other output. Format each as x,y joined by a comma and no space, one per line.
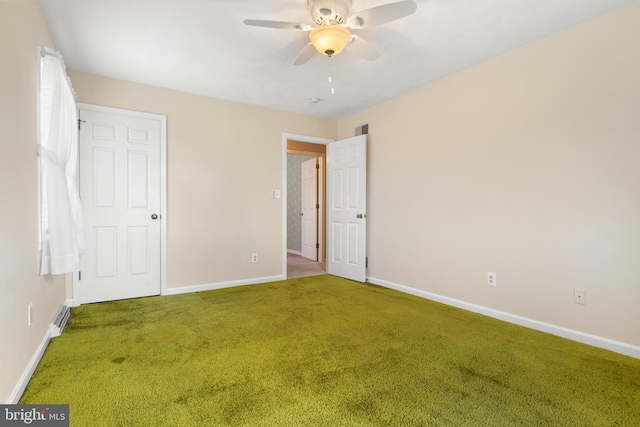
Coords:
203,47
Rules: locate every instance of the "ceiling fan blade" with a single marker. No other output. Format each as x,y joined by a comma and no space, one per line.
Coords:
282,25
382,14
305,54
362,48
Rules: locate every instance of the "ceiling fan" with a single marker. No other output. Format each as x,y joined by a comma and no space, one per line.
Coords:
333,19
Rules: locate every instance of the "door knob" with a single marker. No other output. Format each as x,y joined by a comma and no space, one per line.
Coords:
360,216
301,213
154,216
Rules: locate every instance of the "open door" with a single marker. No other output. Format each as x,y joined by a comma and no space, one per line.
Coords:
309,209
346,208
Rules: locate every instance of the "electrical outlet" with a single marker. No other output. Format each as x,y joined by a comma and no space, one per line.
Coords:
491,279
254,257
580,296
29,314
275,194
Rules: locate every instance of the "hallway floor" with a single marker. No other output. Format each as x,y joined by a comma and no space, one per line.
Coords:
298,266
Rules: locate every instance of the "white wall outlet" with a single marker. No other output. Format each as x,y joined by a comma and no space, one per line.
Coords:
275,194
254,257
580,296
491,279
30,314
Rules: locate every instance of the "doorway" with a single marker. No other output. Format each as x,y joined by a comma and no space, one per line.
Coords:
304,225
346,180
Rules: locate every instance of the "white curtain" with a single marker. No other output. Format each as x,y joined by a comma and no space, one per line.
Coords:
61,215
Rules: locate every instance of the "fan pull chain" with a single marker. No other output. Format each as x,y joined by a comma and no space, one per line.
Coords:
330,79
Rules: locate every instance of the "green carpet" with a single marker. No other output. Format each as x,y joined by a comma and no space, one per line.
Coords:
323,351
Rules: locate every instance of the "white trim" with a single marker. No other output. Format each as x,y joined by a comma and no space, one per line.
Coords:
593,340
35,360
164,219
291,251
222,285
302,138
163,188
321,218
31,367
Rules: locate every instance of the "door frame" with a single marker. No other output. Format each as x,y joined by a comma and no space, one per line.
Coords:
318,206
321,179
163,188
302,138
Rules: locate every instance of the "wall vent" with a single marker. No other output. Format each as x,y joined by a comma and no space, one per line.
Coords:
362,129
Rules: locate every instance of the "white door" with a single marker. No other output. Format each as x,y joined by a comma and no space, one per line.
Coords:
309,210
346,207
120,193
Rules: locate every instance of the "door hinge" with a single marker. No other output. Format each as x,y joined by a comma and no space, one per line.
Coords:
317,166
79,275
366,262
317,205
317,245
80,121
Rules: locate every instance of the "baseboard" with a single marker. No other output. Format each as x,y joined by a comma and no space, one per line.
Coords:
291,251
593,340
31,367
222,285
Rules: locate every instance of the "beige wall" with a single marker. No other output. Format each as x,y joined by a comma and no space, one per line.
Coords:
224,158
527,166
22,30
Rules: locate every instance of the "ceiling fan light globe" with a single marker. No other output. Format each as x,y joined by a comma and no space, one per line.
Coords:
329,39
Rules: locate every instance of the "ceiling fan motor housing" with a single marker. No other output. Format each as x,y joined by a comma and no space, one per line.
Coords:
330,11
